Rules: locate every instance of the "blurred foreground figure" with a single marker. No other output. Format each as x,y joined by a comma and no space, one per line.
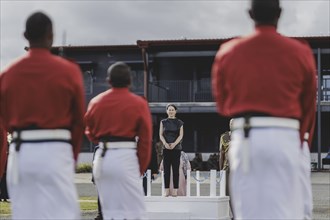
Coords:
3,164
266,82
42,105
120,122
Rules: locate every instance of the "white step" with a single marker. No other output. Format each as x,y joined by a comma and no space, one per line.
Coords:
202,207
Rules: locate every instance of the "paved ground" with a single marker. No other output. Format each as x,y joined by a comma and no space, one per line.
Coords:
321,195
320,185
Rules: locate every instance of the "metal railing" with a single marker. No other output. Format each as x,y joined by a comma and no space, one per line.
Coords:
325,89
200,90
180,91
213,178
192,91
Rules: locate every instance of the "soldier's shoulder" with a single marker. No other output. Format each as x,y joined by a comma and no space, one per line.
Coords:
225,138
299,44
225,134
230,45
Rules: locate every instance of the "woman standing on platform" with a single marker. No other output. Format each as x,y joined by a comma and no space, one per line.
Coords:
171,134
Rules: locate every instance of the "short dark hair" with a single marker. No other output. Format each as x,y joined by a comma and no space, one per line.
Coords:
37,25
265,11
119,75
169,105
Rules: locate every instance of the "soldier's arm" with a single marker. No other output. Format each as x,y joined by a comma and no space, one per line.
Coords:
308,100
221,153
78,109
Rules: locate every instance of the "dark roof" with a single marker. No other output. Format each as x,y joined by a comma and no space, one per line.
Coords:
321,41
148,43
95,47
314,41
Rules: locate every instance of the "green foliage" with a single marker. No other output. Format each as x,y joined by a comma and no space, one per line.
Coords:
5,209
94,198
88,205
84,168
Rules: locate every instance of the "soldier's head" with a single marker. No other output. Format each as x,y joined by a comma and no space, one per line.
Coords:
119,75
39,30
265,12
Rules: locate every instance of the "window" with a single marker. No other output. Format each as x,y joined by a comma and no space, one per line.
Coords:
87,69
137,81
88,81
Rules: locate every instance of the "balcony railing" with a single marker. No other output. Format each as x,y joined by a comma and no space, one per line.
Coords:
180,91
325,89
199,90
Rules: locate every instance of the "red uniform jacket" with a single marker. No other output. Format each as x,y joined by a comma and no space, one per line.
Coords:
45,91
267,73
118,112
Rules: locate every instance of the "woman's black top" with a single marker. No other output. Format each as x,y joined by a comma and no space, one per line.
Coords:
171,131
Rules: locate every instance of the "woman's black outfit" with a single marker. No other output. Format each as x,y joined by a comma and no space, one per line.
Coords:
171,131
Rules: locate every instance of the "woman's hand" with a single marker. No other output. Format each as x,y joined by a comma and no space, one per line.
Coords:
167,146
171,145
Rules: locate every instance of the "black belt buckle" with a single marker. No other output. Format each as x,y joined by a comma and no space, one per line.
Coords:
18,141
104,150
247,126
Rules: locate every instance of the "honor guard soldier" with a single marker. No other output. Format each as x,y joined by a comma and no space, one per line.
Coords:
120,122
42,105
266,82
223,159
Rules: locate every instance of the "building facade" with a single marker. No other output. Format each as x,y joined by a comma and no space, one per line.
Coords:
179,71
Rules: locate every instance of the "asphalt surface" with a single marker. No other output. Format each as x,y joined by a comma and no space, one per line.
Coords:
320,187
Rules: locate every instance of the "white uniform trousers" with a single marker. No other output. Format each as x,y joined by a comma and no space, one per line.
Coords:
306,181
270,188
45,188
119,184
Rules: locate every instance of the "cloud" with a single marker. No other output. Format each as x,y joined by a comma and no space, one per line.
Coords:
305,18
125,22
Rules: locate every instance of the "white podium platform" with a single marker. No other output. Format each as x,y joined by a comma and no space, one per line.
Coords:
201,207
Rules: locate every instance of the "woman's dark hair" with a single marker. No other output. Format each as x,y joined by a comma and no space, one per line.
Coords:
169,105
37,26
119,75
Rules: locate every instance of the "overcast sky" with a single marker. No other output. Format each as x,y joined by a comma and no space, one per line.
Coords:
124,22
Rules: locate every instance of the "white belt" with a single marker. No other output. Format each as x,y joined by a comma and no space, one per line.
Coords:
34,135
43,134
272,122
260,122
97,163
118,145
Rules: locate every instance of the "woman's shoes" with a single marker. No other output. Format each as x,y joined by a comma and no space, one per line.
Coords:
167,192
175,193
